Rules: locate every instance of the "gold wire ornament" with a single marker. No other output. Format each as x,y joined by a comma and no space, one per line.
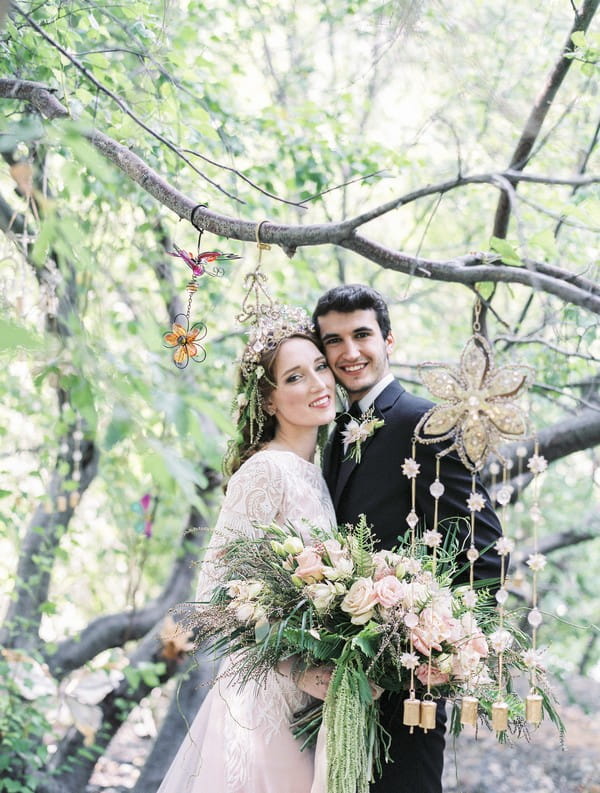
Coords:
183,337
478,409
269,322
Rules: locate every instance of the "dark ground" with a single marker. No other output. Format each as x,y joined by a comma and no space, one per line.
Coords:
479,765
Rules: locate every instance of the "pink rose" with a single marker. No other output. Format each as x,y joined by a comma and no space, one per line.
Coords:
436,678
385,564
310,566
478,644
423,641
388,591
335,552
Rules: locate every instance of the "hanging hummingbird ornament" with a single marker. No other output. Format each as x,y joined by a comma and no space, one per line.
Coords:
198,263
183,337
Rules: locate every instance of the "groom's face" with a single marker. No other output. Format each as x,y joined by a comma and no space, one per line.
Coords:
355,349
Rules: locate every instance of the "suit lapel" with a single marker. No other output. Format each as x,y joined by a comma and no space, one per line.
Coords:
382,404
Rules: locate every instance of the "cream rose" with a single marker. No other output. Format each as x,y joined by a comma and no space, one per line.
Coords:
243,590
388,591
360,601
244,611
293,545
386,563
254,588
341,569
321,594
236,588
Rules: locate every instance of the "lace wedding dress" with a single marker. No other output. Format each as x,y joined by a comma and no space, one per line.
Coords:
240,741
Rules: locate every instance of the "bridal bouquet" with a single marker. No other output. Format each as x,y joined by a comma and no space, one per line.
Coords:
388,619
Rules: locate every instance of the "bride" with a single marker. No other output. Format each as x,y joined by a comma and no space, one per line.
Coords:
240,741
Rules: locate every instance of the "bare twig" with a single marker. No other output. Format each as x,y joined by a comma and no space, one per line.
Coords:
554,347
539,111
172,146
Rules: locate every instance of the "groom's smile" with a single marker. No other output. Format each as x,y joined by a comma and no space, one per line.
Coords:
355,349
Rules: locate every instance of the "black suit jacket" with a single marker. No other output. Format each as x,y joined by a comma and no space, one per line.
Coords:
377,487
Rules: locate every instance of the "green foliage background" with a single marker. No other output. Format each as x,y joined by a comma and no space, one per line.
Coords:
388,97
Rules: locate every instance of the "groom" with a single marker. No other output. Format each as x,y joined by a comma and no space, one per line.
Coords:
354,326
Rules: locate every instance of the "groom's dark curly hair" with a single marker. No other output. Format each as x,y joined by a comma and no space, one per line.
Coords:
353,297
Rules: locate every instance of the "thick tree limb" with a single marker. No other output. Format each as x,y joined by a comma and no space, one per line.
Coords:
471,269
191,691
465,270
540,110
565,437
72,764
114,630
21,624
570,537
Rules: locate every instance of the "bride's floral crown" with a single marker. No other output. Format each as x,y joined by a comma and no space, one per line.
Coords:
273,324
269,323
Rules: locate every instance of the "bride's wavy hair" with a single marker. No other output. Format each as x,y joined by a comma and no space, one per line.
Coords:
256,427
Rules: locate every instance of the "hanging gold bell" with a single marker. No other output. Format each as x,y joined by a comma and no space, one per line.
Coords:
412,712
427,715
533,708
499,716
74,498
468,711
61,504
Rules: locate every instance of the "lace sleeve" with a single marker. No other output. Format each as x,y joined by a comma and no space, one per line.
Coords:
255,495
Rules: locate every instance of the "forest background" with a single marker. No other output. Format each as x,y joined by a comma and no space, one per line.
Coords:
439,151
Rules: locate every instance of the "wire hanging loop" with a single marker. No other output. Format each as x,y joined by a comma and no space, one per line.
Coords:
257,301
476,315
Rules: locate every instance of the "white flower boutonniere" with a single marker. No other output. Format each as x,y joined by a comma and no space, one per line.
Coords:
357,431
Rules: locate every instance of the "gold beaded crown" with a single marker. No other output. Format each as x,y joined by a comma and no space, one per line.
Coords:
272,324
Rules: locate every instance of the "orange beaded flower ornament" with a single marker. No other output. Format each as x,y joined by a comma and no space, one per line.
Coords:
182,337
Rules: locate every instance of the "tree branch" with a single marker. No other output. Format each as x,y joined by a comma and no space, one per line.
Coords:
511,340
466,270
165,141
470,269
539,111
72,764
21,624
560,439
113,630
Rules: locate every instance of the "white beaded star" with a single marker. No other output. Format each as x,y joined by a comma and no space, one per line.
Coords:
431,538
537,562
475,502
537,464
504,546
410,467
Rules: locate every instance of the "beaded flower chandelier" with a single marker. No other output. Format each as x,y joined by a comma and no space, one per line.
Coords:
477,412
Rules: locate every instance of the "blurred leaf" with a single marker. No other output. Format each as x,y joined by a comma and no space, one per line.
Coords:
14,336
508,254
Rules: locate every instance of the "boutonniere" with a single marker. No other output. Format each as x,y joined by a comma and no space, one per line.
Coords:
357,431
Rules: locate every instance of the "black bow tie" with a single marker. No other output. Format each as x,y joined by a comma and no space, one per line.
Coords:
354,412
